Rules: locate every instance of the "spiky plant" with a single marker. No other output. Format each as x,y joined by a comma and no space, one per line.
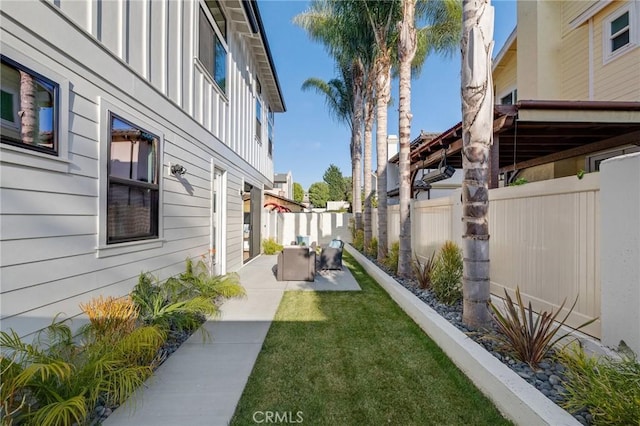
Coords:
529,339
446,276
111,317
609,388
422,270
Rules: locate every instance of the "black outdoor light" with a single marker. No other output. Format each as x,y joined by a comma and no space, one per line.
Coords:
178,169
441,173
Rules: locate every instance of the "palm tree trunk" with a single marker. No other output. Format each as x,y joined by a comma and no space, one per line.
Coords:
406,52
28,110
383,89
368,147
477,137
356,176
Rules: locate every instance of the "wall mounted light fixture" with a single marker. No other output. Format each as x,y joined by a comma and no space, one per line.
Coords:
178,169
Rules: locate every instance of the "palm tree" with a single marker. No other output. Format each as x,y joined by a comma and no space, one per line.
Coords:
375,20
345,45
407,47
442,35
477,133
339,96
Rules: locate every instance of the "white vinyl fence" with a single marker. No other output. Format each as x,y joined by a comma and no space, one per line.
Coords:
320,228
544,239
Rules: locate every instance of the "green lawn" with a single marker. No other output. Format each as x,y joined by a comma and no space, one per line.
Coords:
355,358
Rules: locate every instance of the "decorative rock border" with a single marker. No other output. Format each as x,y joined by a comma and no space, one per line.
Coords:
514,397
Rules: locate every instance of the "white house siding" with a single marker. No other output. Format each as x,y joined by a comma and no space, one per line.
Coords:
51,257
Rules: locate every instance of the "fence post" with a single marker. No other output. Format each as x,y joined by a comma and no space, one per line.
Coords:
456,217
620,250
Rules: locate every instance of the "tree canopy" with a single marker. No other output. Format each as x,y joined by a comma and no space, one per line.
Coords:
335,182
298,192
319,194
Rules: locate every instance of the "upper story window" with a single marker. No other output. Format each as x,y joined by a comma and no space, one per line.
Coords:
510,99
133,190
258,111
270,131
620,31
28,108
211,49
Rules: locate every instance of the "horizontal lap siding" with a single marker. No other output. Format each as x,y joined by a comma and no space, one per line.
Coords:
617,80
49,220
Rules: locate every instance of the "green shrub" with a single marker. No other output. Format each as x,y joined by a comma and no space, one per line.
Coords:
372,250
519,181
57,381
358,240
271,246
610,389
181,303
446,276
391,261
529,340
422,270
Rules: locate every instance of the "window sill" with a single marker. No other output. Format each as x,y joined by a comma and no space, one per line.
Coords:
124,248
26,157
618,53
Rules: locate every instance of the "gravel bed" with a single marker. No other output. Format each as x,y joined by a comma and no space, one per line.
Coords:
548,378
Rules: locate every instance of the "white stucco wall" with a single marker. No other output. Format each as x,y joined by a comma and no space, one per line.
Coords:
620,250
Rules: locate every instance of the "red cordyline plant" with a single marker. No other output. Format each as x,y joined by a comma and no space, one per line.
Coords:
530,339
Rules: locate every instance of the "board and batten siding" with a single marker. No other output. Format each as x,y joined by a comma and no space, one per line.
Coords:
50,254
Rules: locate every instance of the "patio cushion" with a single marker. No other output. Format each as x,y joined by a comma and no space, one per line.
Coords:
296,264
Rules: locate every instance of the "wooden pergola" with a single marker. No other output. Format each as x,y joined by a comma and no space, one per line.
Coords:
532,133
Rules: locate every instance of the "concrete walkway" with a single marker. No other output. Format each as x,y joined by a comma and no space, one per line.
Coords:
201,383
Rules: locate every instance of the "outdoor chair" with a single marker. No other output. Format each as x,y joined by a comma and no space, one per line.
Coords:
331,255
296,263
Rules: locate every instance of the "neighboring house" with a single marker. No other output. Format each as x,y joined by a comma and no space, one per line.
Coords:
273,202
130,133
425,187
567,93
283,185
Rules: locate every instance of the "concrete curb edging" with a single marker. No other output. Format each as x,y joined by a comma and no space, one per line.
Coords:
514,397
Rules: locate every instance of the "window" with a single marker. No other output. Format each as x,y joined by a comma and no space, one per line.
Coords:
620,32
270,131
593,161
510,99
28,108
211,51
258,111
132,196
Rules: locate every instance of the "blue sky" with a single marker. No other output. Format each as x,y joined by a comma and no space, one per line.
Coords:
307,139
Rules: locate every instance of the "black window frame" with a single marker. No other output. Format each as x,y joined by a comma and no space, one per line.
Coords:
55,128
153,187
210,55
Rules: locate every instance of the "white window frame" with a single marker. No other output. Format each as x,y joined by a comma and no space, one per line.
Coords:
28,157
511,91
108,107
634,39
592,161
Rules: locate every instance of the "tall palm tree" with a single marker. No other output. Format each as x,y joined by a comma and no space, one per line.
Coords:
407,46
377,19
339,94
440,35
477,135
344,44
